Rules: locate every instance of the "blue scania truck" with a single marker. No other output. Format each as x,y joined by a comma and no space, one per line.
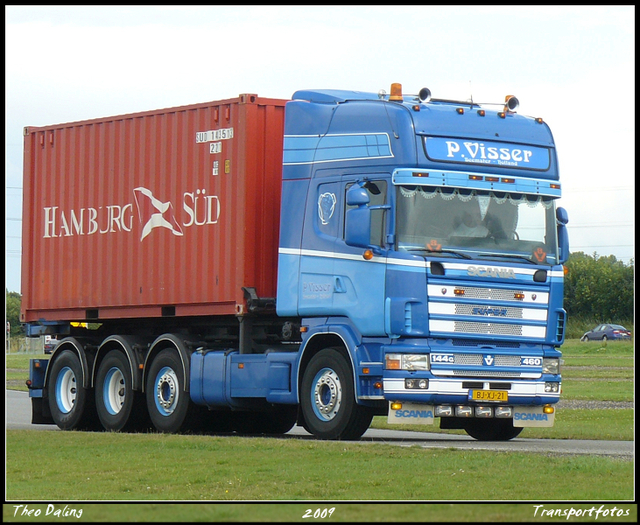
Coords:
419,277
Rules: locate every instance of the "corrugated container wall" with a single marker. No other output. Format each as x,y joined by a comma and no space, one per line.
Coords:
162,212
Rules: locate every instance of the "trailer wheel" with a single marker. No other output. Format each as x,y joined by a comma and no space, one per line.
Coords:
168,404
119,407
71,404
328,398
492,429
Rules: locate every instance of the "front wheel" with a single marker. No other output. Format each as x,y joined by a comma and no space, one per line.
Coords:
492,429
328,398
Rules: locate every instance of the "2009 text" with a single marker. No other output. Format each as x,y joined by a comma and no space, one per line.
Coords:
319,513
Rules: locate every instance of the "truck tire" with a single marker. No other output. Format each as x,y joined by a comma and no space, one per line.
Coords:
72,406
169,406
328,398
119,407
492,429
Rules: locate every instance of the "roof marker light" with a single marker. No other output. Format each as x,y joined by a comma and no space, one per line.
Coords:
481,112
460,111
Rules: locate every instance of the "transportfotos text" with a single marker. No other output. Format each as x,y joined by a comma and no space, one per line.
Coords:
603,511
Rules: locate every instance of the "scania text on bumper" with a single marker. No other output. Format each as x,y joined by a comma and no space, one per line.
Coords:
421,414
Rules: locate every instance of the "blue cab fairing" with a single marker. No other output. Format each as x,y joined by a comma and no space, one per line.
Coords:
395,299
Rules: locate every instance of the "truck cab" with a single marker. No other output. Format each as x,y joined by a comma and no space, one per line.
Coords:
430,254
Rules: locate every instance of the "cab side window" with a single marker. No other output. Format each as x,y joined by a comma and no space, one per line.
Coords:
377,190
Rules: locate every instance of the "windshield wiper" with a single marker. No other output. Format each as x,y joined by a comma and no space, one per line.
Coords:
435,252
512,256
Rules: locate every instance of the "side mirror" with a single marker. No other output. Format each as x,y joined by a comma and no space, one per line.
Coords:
358,227
562,218
358,220
357,196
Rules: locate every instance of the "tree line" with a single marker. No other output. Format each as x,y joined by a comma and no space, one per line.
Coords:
599,288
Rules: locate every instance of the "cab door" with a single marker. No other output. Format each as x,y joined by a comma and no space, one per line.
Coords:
359,283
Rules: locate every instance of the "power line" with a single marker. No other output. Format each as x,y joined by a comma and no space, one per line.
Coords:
585,190
601,225
575,246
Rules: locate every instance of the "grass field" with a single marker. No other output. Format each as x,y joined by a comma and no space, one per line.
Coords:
152,468
98,466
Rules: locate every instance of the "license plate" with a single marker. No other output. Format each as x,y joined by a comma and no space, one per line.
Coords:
499,396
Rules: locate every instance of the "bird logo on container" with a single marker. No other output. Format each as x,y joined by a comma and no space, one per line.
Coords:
153,213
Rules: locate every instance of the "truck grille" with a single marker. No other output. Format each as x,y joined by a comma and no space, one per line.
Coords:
468,327
484,365
492,294
488,312
485,373
509,312
476,360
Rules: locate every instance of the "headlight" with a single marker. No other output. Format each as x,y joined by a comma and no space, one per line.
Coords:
551,365
552,387
407,361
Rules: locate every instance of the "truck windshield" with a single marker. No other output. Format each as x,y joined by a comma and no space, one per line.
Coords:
451,222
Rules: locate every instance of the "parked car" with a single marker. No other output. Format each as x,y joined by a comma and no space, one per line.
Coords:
605,332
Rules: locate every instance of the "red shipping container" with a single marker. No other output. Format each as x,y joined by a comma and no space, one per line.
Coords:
167,212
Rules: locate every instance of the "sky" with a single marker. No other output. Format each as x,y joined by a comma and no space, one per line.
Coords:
574,66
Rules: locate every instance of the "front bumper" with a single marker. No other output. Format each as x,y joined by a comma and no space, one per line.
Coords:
456,390
425,414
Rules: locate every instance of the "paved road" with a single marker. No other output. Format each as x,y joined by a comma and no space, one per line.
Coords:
18,416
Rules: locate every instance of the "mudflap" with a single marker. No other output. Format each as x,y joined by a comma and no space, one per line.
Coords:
532,416
40,412
410,413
